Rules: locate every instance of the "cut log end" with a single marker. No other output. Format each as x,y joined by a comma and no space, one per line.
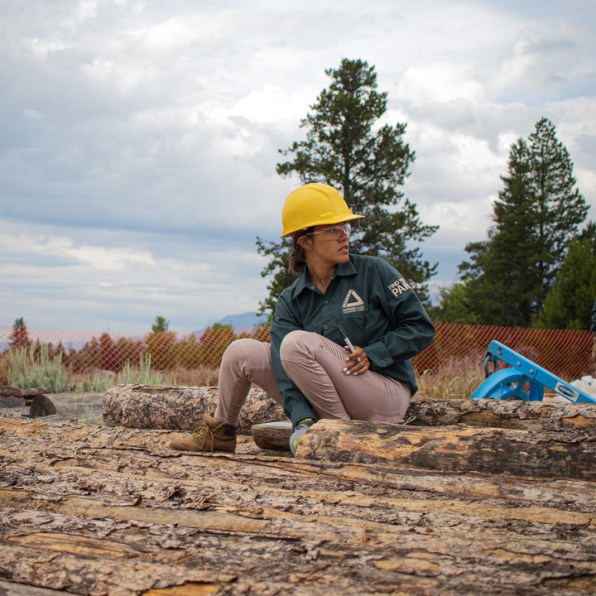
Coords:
273,435
42,405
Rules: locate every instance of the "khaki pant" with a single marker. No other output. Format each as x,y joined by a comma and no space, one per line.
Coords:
315,364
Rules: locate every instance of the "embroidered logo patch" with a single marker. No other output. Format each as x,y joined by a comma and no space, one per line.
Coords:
352,303
399,286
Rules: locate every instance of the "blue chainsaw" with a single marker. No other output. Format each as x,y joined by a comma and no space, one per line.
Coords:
523,379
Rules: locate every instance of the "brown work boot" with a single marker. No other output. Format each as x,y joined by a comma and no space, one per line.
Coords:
213,435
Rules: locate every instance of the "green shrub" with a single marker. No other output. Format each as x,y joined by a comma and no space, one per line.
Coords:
32,366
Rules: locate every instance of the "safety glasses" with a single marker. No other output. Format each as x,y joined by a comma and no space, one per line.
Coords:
334,232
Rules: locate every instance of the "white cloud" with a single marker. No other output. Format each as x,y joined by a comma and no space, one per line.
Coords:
137,163
37,252
440,82
103,284
41,48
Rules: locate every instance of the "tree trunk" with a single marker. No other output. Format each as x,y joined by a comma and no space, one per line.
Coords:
577,421
146,406
512,414
180,408
25,393
91,509
452,448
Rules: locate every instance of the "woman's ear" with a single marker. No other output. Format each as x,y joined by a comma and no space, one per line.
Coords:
305,242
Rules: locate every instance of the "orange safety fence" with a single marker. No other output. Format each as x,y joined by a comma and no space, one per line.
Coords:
565,353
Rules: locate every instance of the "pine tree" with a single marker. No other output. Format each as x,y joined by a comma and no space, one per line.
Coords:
19,338
279,268
160,343
538,213
569,303
160,325
368,163
453,306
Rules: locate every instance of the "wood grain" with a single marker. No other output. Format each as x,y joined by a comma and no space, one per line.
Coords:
541,454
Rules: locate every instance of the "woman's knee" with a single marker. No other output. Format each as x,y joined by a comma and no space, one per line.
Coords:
293,344
240,350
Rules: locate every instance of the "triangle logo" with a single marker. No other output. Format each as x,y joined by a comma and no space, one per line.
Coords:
352,302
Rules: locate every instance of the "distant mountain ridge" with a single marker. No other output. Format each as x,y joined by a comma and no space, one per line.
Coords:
244,321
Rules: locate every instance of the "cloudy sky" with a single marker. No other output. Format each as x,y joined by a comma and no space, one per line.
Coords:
139,138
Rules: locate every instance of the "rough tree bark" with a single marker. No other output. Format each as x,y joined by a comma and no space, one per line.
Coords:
179,408
512,414
563,454
110,510
577,422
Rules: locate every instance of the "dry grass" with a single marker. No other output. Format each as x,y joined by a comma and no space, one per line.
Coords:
455,379
203,376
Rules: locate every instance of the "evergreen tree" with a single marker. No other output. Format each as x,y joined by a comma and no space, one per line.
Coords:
569,303
279,268
19,338
538,213
453,306
161,344
160,325
368,163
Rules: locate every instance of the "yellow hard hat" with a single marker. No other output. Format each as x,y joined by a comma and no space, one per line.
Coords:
314,204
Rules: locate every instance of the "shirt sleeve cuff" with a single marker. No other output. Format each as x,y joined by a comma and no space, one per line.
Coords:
378,355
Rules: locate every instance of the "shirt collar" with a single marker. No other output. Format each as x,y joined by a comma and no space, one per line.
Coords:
342,270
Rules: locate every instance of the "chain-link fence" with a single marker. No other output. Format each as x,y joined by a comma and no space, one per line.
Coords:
193,358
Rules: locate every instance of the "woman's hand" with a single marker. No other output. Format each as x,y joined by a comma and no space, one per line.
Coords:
357,363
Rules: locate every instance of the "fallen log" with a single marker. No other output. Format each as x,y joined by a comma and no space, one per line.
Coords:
26,393
512,414
577,421
85,408
179,408
110,510
39,404
452,449
10,401
42,405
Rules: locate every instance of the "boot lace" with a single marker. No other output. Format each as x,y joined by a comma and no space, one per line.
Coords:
204,436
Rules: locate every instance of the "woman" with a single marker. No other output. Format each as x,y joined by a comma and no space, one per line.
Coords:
342,335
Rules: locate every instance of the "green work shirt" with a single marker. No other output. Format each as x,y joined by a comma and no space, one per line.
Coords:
376,307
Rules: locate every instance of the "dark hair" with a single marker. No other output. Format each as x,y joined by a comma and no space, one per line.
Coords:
297,253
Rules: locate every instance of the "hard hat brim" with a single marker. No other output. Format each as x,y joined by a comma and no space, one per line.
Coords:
326,222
